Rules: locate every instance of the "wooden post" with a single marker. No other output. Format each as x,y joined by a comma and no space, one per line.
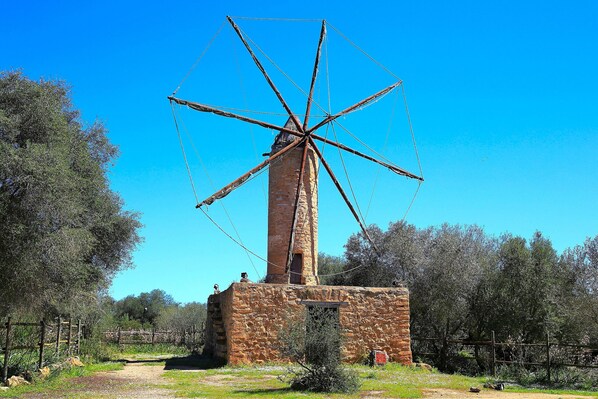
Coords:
153,335
118,337
58,334
79,337
548,356
493,355
69,337
6,351
42,341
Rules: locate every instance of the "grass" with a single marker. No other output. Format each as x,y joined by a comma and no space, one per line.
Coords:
61,380
199,377
391,381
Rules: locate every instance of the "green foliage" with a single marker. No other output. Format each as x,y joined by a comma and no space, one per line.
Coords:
64,233
330,269
466,284
315,344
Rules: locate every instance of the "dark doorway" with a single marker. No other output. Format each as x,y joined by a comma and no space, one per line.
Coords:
323,339
296,268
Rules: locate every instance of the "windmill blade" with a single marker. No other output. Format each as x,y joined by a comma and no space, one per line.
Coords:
263,71
392,168
314,75
296,207
342,192
355,106
226,190
206,108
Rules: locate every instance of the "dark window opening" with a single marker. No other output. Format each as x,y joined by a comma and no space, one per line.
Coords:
296,268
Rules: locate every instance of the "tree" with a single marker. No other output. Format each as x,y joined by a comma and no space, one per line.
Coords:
64,233
144,308
330,269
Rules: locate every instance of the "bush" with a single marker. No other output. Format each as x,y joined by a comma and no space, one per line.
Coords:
314,343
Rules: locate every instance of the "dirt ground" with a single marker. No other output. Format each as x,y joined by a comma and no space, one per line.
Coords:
136,380
491,394
143,380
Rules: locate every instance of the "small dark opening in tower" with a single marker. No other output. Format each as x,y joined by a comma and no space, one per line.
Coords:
296,269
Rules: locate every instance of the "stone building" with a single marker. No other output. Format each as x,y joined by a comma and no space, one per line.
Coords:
244,320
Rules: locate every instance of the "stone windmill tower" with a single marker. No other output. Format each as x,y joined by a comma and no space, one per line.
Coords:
294,162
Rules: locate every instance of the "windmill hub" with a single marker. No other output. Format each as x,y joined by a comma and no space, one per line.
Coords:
293,250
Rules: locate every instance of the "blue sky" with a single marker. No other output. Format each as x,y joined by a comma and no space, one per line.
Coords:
503,98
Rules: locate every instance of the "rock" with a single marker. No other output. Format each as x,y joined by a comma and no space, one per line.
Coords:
74,361
423,366
15,381
474,389
44,372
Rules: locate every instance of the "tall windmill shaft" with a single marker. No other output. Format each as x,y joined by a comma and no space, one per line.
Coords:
283,186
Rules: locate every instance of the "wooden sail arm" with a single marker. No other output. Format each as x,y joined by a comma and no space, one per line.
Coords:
263,71
353,107
226,190
392,168
206,108
314,75
342,192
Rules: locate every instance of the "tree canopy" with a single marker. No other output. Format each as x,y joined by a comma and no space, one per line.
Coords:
465,283
64,233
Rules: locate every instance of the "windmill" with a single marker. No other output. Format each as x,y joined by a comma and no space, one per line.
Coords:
294,162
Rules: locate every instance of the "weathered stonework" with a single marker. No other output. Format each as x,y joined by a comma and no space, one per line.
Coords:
283,179
251,316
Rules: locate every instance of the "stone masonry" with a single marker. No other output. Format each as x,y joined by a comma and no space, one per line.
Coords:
244,320
282,192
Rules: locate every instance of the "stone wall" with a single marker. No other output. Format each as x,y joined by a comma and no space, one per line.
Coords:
371,318
283,178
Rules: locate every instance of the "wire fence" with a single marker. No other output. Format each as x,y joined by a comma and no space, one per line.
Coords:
32,345
486,356
191,337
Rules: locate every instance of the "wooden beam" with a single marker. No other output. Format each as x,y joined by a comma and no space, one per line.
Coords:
314,75
355,106
393,168
224,191
263,71
206,108
342,192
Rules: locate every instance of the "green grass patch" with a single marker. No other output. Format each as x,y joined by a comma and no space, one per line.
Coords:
144,349
261,382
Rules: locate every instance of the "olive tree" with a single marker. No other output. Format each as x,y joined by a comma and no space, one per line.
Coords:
64,233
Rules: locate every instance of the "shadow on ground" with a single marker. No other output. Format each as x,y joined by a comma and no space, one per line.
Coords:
263,391
192,362
189,362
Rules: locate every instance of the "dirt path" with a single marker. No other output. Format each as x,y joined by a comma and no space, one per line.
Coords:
136,380
491,394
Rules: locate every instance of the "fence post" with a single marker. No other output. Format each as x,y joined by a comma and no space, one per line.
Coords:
118,337
42,341
493,355
69,336
58,334
548,356
6,351
79,337
153,335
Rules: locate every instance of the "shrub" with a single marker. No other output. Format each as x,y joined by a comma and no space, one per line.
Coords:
314,343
